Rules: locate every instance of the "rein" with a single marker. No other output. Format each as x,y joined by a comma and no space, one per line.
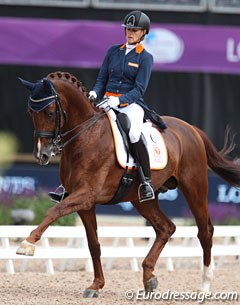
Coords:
93,120
56,134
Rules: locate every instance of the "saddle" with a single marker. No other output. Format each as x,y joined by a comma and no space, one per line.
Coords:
124,152
153,138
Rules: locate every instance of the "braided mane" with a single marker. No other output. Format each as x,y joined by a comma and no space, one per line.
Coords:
66,76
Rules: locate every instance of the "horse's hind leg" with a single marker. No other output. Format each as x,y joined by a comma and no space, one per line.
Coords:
164,228
90,224
195,191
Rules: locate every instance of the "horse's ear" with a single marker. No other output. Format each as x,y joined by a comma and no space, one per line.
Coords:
47,85
26,83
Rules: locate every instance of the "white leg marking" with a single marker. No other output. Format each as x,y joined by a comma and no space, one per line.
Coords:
26,248
207,277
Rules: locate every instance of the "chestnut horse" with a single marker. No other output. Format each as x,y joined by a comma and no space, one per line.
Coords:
66,120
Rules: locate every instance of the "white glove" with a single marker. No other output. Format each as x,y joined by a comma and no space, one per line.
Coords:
104,103
92,95
108,109
113,101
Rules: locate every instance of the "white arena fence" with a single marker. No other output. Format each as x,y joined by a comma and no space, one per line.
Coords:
128,242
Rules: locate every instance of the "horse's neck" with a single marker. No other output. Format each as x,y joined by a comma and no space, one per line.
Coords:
78,109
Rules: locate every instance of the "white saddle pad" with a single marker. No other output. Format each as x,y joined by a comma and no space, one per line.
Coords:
155,144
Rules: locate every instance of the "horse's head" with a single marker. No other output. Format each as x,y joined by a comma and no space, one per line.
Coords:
48,116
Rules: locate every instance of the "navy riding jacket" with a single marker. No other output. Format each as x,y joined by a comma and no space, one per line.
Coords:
126,76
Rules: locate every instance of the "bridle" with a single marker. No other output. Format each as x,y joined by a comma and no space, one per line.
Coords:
56,135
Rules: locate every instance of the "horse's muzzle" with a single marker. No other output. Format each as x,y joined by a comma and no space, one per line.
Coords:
43,155
42,159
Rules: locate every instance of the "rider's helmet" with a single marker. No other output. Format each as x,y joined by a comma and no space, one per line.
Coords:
137,20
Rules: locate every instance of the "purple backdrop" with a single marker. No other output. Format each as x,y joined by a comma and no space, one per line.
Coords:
84,44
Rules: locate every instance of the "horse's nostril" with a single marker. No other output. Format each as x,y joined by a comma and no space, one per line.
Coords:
44,159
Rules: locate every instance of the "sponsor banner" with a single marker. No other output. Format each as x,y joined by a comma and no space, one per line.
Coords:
83,43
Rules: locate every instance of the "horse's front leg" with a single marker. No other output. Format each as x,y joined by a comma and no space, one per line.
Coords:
63,208
90,224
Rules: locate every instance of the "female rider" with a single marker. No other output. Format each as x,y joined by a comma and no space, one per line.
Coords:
123,78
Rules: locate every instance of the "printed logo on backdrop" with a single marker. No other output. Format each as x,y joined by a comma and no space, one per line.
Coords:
233,50
165,46
228,194
17,185
170,195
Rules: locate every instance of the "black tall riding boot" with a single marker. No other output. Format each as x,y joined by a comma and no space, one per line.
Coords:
145,190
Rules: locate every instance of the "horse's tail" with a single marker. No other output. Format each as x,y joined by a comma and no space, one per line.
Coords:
218,161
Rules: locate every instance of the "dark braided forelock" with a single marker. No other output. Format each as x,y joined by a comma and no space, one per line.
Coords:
66,76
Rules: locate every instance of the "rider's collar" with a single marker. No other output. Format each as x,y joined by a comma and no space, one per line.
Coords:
139,47
130,46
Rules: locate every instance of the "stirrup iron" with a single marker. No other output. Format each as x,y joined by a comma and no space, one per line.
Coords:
149,193
59,194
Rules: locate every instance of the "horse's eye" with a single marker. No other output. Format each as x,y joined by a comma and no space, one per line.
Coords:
50,114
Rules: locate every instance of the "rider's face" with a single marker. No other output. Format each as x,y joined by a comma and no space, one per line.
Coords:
134,35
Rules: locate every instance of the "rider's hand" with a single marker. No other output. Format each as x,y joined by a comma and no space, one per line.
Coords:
113,101
103,104
92,96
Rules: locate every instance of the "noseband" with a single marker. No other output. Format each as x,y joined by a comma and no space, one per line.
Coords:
56,134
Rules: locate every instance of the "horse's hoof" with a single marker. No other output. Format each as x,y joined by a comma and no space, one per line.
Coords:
26,248
204,290
151,284
90,293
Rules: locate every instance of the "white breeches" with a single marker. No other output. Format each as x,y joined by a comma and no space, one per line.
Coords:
135,114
